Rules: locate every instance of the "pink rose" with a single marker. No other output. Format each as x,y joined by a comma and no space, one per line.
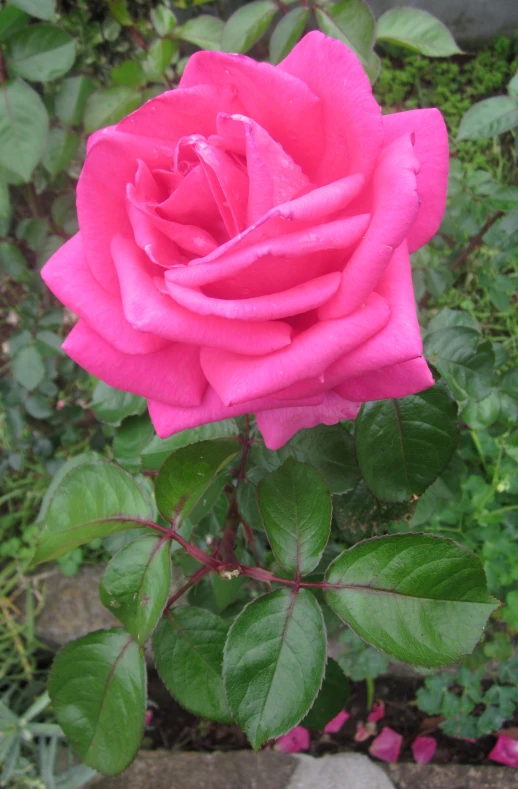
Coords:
244,243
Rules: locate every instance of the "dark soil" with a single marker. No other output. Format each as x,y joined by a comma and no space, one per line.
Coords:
172,727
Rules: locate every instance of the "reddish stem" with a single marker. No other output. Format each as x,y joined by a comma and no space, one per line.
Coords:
200,573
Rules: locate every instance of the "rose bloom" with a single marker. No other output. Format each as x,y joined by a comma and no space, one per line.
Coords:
244,244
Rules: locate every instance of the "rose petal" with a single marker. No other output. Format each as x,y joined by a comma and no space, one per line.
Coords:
254,84
377,712
279,425
169,420
69,278
387,745
294,741
423,749
397,380
294,301
336,724
238,378
149,310
431,149
353,131
395,204
171,375
364,732
505,751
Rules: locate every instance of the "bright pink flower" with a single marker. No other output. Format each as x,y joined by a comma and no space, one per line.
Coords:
294,741
377,712
387,745
244,244
505,751
336,724
423,749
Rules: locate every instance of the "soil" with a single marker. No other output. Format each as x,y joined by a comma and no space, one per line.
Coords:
172,727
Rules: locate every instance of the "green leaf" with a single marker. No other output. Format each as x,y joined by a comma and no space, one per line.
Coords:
12,262
109,105
331,449
132,436
98,689
287,33
41,53
403,445
417,30
24,125
61,147
50,341
119,11
512,88
188,650
205,31
160,55
130,72
163,20
463,360
247,25
94,499
187,474
135,584
159,449
352,22
112,406
332,698
295,505
71,99
38,406
274,663
11,20
28,367
41,9
421,599
489,118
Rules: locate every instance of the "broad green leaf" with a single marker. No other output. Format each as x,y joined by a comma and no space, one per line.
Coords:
11,20
119,11
163,19
331,449
247,25
482,414
332,698
24,125
295,505
94,499
421,599
159,449
417,30
274,663
489,118
135,584
188,650
6,211
512,88
12,262
112,406
403,445
352,22
186,476
56,480
287,33
60,150
98,689
41,53
49,341
28,367
160,55
38,406
373,67
463,360
130,72
109,105
71,99
130,439
205,31
41,9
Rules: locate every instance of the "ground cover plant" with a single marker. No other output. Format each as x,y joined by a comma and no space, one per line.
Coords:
228,534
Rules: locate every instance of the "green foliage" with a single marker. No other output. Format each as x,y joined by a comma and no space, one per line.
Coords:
331,699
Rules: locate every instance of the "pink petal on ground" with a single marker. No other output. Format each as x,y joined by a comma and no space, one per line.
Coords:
505,751
387,745
364,732
377,713
294,741
423,749
337,723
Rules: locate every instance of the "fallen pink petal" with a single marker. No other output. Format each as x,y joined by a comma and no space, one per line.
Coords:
423,749
364,732
505,751
387,745
336,724
294,741
377,712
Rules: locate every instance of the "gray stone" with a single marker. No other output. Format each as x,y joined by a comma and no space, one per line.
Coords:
455,776
246,770
468,20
